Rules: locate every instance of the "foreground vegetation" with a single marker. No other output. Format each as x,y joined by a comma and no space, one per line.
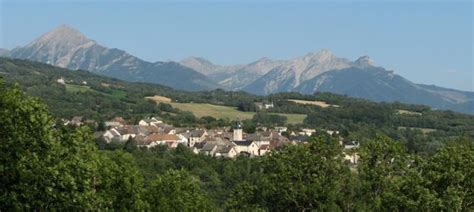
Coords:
48,167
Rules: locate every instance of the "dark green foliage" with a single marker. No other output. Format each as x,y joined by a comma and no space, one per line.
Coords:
120,183
247,106
449,175
266,119
129,146
47,168
177,190
305,177
166,108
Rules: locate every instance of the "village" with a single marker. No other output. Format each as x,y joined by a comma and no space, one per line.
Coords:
225,142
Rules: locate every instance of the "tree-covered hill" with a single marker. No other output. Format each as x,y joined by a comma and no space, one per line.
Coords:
81,93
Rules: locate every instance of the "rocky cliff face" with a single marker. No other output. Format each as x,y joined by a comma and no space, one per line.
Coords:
268,76
292,73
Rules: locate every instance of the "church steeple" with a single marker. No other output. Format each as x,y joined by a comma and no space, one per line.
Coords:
237,131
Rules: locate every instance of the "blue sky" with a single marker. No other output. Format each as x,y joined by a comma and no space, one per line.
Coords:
427,42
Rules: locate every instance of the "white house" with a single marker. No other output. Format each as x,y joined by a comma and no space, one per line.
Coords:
61,81
259,139
263,149
331,132
352,157
182,139
248,147
111,134
350,152
307,132
268,105
164,139
281,129
76,121
158,139
113,124
196,136
150,122
209,149
127,132
227,151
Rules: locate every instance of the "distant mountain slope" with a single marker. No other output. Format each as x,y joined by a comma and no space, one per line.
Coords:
292,73
323,71
68,48
233,77
378,84
3,52
205,66
266,76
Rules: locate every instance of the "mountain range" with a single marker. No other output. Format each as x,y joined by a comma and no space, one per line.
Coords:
317,71
324,72
68,48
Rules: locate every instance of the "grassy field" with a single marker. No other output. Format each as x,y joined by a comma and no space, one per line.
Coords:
219,111
77,88
318,103
157,98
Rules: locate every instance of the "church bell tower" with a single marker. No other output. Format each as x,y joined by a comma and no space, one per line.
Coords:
238,131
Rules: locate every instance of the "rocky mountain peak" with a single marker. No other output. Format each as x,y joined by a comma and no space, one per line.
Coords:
196,61
322,55
364,61
62,36
263,60
201,65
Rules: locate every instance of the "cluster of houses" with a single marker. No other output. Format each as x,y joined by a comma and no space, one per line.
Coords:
217,142
64,82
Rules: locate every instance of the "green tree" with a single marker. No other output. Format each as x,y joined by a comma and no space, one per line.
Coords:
305,177
130,146
267,119
48,168
176,190
245,197
101,126
120,183
450,175
42,168
391,178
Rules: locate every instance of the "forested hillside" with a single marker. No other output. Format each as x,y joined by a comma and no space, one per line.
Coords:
48,167
103,98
